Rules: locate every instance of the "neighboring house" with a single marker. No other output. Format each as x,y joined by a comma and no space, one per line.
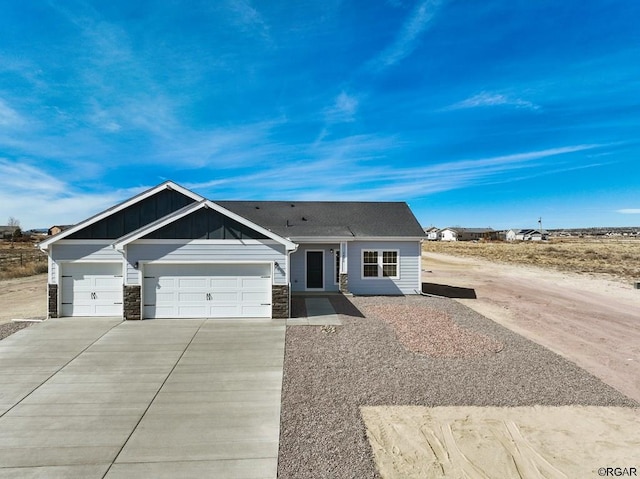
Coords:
531,235
54,230
510,235
6,232
457,233
433,233
170,253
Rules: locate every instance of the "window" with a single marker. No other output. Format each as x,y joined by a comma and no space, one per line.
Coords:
379,264
370,264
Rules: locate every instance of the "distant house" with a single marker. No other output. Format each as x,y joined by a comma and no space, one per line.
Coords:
433,233
457,233
54,230
531,235
6,232
510,235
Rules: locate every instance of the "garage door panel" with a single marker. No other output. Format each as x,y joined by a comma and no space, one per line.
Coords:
254,297
207,291
191,296
91,289
225,297
194,283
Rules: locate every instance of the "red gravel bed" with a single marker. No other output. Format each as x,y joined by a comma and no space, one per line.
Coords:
433,333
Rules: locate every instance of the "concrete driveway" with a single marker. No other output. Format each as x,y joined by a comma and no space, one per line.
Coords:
101,398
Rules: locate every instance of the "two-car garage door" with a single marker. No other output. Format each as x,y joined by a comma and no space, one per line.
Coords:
207,291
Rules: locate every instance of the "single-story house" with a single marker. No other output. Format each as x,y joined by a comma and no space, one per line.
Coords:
171,253
6,232
457,233
530,235
433,233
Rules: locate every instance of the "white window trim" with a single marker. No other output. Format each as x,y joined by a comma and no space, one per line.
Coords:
380,264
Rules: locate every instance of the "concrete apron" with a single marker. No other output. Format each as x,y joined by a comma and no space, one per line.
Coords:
94,398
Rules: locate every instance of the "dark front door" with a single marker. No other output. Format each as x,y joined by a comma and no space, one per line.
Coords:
315,279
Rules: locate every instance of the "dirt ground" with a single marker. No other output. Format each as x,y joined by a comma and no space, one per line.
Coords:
23,298
488,442
594,322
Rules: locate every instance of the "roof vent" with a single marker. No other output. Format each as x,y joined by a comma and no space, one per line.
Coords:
257,207
292,205
304,219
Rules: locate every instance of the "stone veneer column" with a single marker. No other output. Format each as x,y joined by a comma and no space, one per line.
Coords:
132,302
52,291
279,301
344,283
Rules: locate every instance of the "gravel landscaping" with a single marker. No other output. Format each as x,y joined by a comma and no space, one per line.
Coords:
471,361
7,329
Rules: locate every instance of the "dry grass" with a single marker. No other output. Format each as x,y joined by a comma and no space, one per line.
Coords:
617,258
21,259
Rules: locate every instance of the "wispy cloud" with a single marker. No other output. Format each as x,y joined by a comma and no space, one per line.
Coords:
8,116
409,35
489,99
629,211
343,109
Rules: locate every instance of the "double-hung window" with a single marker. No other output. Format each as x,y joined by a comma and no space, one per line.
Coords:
380,264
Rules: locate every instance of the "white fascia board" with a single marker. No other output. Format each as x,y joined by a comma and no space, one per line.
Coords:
120,243
351,239
167,185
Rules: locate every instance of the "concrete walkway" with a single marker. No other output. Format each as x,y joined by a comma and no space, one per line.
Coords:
101,398
320,312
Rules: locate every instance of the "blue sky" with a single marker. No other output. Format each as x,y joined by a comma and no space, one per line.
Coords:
491,113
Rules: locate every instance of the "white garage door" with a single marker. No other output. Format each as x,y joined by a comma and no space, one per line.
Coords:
91,289
207,291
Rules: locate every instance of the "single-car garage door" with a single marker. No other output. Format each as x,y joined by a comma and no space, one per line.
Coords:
207,291
91,289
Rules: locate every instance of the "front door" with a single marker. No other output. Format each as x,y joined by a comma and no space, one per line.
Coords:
315,269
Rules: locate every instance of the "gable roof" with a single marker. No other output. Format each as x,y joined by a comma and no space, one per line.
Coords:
192,208
167,185
281,221
330,219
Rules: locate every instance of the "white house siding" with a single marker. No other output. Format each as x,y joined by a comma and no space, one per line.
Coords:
409,265
448,235
206,252
298,263
98,252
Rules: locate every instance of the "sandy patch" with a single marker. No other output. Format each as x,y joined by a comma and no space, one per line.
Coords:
589,320
493,442
23,298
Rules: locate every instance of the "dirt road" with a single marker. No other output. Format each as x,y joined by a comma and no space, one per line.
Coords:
593,322
23,298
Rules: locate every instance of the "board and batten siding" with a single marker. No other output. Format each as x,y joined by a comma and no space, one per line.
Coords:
87,252
203,252
409,264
